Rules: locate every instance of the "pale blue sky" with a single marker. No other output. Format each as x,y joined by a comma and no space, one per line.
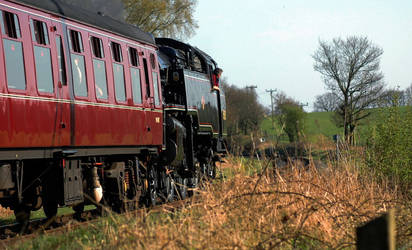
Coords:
270,43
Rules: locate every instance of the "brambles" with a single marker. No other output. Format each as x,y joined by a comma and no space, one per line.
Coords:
389,152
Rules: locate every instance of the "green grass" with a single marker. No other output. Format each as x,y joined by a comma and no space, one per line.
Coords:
40,214
321,123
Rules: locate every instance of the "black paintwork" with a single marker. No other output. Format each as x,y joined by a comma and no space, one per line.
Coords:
186,77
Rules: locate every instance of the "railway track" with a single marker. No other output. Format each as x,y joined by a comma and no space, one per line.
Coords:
11,234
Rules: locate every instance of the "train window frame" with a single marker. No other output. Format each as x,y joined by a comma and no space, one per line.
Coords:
42,55
156,95
147,80
76,41
78,64
152,61
13,52
134,57
135,76
96,45
99,69
116,49
10,26
39,32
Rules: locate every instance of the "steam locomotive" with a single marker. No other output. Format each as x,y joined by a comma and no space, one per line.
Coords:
95,111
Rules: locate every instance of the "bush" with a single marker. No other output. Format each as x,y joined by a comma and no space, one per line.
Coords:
389,148
292,116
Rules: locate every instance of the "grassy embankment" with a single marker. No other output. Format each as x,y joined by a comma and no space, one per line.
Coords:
255,206
319,126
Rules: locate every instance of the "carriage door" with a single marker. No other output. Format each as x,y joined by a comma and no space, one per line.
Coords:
63,123
152,99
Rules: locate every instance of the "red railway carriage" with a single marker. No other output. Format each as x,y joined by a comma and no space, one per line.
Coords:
65,83
80,107
81,112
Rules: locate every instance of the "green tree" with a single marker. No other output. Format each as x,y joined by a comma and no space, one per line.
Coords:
291,116
166,18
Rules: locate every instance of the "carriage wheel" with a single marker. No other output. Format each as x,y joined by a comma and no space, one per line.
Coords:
50,207
22,214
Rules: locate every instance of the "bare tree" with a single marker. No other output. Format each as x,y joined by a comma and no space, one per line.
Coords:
243,108
327,102
408,95
351,70
392,97
168,18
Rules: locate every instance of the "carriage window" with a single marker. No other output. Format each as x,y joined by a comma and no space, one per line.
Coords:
44,74
119,82
79,75
134,58
13,53
155,88
39,32
42,57
152,61
99,67
10,24
97,47
117,52
136,89
76,41
61,60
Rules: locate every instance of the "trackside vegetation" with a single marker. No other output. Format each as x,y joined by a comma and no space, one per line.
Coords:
254,204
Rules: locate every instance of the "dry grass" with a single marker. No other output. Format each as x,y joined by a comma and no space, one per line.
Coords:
5,212
295,208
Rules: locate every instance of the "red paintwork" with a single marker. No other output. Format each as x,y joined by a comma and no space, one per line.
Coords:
26,123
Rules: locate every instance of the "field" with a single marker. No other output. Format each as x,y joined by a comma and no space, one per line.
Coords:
255,205
320,126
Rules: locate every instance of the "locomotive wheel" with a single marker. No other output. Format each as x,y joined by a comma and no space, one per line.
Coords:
168,187
208,167
182,187
211,173
152,194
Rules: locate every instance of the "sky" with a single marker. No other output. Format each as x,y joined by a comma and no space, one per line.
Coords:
270,43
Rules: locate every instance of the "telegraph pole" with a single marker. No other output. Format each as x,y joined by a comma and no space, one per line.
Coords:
271,91
250,87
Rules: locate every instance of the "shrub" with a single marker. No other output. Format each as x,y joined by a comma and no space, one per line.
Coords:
389,148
